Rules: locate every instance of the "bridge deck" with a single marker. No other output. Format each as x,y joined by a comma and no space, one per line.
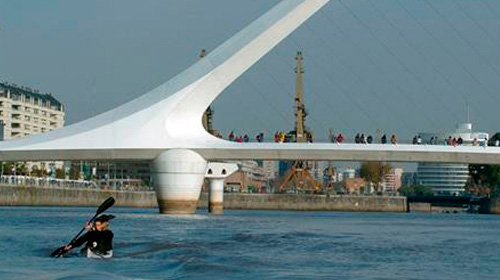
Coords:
225,150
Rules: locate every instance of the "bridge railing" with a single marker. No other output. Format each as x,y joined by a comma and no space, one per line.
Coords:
47,182
438,142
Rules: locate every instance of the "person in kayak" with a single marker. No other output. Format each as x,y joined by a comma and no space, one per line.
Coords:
98,237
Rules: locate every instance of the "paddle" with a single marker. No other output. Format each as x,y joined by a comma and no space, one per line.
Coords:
104,206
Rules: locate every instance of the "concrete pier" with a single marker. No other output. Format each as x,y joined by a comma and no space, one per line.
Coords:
217,172
216,196
178,176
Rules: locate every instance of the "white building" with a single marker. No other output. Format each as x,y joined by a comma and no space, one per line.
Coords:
271,169
252,170
349,173
448,179
339,176
249,174
444,179
26,112
392,180
317,169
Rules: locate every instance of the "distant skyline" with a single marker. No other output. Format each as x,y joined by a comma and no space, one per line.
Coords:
394,66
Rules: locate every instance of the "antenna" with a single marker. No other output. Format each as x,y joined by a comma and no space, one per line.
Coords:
467,110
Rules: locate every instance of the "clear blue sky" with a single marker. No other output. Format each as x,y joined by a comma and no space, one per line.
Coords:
399,66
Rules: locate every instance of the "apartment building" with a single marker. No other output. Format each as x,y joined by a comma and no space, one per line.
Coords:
25,111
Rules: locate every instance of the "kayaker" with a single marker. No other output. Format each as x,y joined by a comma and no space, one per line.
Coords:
98,237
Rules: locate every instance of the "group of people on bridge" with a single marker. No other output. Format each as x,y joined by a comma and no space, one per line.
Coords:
362,138
244,138
290,137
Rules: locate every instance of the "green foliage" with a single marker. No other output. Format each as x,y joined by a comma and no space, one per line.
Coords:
493,139
22,169
416,190
60,174
251,189
36,172
15,168
486,176
375,172
74,173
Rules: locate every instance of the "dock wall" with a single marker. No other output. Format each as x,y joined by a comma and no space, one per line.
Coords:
314,202
37,196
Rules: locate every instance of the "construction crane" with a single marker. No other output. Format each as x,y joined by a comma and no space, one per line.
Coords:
298,178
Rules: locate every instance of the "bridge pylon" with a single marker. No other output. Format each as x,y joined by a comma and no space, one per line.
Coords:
178,175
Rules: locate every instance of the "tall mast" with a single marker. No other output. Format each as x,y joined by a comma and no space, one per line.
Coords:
298,178
299,103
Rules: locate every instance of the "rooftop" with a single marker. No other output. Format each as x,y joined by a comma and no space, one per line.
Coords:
32,93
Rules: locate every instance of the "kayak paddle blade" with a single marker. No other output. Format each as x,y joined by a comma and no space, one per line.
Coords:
105,205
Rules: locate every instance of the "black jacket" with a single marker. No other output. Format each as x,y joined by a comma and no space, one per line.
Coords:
98,241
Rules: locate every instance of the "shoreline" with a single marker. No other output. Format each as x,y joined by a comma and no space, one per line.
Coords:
15,195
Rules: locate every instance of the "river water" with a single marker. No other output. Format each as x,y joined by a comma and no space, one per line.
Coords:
255,245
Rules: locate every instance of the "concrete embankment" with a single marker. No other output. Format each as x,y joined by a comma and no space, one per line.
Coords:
314,202
37,196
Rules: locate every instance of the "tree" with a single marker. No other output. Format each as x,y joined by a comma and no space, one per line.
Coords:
251,189
60,174
22,169
493,139
485,176
74,173
36,172
8,168
416,190
375,172
17,168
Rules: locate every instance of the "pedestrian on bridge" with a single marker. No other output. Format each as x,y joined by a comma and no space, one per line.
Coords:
340,138
383,140
394,140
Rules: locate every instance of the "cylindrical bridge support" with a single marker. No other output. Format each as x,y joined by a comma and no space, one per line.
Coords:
178,176
216,196
217,172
